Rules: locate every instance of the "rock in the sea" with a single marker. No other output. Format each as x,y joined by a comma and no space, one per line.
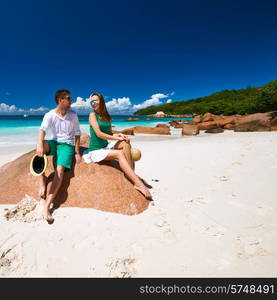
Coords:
132,119
173,123
215,130
127,131
151,130
101,186
190,129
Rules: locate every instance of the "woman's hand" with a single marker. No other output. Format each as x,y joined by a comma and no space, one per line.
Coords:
126,138
123,137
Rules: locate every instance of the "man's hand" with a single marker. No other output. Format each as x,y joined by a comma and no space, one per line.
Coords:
78,158
40,150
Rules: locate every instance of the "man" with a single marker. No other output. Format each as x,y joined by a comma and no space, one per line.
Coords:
64,145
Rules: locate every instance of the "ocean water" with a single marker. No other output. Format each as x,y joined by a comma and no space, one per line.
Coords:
24,130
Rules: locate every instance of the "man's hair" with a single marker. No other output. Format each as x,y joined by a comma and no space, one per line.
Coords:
60,94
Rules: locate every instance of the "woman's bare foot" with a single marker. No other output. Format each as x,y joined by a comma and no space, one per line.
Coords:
47,215
141,188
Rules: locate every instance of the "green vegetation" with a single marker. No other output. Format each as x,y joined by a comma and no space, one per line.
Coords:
228,102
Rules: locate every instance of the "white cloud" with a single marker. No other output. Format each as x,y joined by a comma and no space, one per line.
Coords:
154,100
115,106
172,93
8,108
81,105
119,105
42,108
12,109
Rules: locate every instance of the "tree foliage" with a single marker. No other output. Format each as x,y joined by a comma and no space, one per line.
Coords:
228,102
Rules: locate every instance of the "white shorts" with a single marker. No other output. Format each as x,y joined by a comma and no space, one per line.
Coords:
98,155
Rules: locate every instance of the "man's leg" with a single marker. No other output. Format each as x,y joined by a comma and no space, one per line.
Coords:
42,187
56,184
65,155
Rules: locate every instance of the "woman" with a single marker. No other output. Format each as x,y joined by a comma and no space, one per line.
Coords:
107,146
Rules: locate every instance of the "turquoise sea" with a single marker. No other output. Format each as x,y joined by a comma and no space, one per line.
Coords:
24,130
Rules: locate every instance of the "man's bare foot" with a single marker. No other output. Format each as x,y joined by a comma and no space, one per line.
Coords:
141,188
47,215
42,191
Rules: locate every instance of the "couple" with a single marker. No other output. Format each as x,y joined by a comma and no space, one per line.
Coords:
65,144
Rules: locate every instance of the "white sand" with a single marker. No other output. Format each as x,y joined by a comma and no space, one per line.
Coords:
214,215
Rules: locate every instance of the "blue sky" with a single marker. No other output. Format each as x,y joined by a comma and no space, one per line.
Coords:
133,51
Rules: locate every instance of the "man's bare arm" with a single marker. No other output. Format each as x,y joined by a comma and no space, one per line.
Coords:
40,148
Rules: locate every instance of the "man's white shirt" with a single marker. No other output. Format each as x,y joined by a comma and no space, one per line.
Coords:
63,128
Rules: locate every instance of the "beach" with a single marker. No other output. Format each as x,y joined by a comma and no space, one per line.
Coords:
213,215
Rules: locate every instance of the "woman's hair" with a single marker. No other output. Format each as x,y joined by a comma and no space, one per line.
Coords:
103,112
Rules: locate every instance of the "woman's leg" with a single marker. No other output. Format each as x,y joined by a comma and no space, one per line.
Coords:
126,147
125,167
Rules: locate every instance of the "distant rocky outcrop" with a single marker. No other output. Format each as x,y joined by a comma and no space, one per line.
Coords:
132,119
101,186
254,122
161,114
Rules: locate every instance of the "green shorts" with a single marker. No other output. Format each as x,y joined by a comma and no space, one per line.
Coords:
63,153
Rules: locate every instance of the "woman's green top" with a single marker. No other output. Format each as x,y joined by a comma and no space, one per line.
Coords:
96,142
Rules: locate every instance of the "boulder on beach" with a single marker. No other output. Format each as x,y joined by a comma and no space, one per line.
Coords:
196,120
228,126
178,125
190,130
273,123
215,130
102,186
207,117
207,125
255,122
162,126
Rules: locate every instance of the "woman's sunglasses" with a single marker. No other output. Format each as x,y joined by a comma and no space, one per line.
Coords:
93,102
